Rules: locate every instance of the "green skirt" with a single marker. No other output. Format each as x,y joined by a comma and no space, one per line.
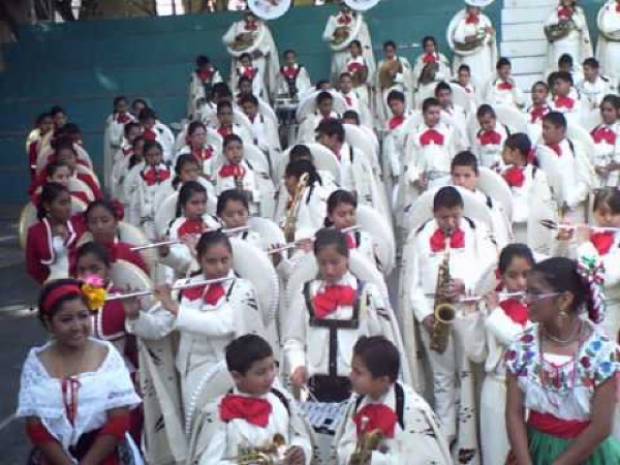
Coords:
545,449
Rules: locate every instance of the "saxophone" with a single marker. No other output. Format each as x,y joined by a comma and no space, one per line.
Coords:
290,224
272,454
367,442
444,310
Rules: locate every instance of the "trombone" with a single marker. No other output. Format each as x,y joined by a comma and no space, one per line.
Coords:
229,231
179,287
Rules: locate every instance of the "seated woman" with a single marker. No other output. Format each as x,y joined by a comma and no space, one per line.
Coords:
75,392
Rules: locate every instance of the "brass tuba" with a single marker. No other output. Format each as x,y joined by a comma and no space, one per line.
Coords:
444,310
481,35
290,223
388,72
559,31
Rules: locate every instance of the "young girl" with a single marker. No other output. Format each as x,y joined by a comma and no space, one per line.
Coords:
606,159
562,369
145,183
44,125
341,214
198,147
324,320
490,138
237,173
207,317
57,232
201,84
61,174
233,210
75,392
538,110
122,168
102,218
66,154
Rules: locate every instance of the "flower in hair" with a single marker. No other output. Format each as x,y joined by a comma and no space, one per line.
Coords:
94,292
591,271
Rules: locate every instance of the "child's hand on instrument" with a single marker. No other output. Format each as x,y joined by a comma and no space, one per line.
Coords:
429,323
163,293
163,250
295,456
299,377
132,306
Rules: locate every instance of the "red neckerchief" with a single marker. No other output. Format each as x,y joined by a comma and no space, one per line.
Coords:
251,25
355,67
344,19
123,118
491,137
205,75
375,417
603,241
472,18
604,134
213,295
191,228
149,134
556,148
565,13
431,136
438,240
225,131
351,242
251,409
430,58
538,113
236,171
154,176
328,301
564,102
515,176
290,72
515,310
203,153
396,121
249,73
504,86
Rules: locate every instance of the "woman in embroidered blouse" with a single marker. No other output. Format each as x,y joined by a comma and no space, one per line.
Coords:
563,370
75,391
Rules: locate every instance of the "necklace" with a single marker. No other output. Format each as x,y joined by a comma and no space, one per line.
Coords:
574,334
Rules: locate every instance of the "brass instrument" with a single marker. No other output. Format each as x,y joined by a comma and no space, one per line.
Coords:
243,42
444,309
239,183
367,442
481,36
388,72
559,31
273,454
290,223
341,34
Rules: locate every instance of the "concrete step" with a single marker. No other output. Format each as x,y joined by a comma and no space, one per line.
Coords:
530,31
520,48
527,65
525,15
529,3
525,81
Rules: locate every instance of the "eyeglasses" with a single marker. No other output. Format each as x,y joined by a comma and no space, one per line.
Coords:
531,297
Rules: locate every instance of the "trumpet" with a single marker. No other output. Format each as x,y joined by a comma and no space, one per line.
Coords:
550,224
272,454
293,244
228,231
179,287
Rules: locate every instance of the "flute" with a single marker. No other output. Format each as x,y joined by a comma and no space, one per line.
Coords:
477,298
550,224
228,231
178,287
294,244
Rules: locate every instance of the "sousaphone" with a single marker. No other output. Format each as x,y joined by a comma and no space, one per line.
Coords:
269,9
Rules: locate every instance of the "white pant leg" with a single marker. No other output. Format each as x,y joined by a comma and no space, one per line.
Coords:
493,434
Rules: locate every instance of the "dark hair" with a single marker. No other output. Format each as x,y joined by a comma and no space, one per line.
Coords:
220,89
520,142
379,355
106,204
96,249
49,193
140,101
323,96
48,288
351,114
336,198
426,39
562,76
300,152
331,127
345,74
464,68
561,274
202,60
185,194
328,237
129,126
289,50
210,239
182,160
300,166
613,100
484,110
389,43
556,118
356,42
320,83
149,144
245,55
194,125
223,104
566,59
231,195
443,85
63,143
248,99
428,103
511,251
503,61
540,83
147,113
140,138
447,197
57,109
246,350
230,138
51,168
591,62
118,99
41,117
609,196
396,95
465,158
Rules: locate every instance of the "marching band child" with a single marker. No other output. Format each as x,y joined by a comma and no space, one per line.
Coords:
490,138
325,319
565,99
245,69
115,125
50,240
342,214
201,83
503,90
396,135
430,56
594,86
254,412
451,113
293,81
61,173
576,43
155,131
409,428
131,132
197,145
359,71
124,174
44,126
324,111
393,74
463,79
345,87
264,130
233,210
65,154
237,173
191,221
226,125
606,159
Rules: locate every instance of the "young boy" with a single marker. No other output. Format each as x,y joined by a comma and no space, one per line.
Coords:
264,131
254,415
503,90
201,83
395,135
409,427
594,86
540,107
324,111
565,98
293,80
490,138
393,73
451,113
466,174
246,69
226,125
155,130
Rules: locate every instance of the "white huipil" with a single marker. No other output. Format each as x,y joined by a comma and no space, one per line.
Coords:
474,255
577,43
607,150
231,438
267,61
417,438
608,46
205,329
482,61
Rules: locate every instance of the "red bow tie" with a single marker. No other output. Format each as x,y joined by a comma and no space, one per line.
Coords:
504,86
604,134
355,67
438,240
514,176
602,241
556,148
290,72
191,228
327,302
251,25
205,75
123,118
351,242
431,136
538,113
344,19
213,295
254,411
472,18
490,138
225,131
249,73
376,417
564,102
203,154
149,134
565,13
515,310
430,58
154,176
236,171
396,121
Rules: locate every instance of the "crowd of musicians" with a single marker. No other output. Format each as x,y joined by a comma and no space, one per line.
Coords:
402,263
